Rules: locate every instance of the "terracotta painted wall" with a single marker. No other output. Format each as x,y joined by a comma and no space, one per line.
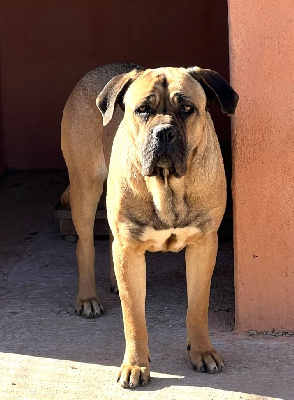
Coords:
262,71
2,153
47,47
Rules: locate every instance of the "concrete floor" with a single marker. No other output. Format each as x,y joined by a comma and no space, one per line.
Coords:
46,352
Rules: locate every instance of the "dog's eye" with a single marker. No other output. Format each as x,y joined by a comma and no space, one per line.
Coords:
143,109
187,110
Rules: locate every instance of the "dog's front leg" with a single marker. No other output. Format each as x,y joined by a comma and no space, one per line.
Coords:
130,270
200,261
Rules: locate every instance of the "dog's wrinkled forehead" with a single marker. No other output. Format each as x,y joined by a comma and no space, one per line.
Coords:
155,84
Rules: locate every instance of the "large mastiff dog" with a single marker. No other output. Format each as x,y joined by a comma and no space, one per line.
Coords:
166,190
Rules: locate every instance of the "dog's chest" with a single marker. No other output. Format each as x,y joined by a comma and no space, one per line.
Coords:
173,239
174,222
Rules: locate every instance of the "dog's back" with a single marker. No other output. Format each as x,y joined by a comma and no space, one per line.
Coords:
81,115
85,144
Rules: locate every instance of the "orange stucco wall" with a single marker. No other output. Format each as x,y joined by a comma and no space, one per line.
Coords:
262,71
47,46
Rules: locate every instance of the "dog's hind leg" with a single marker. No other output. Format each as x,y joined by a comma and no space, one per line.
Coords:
81,139
84,197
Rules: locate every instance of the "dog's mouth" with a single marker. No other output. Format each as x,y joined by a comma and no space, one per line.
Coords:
164,166
163,163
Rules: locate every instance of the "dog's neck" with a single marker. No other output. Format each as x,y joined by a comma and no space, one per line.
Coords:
168,194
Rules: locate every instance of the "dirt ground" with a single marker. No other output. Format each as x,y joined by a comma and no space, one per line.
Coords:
46,352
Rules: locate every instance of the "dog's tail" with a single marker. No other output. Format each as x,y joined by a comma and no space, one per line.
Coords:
64,199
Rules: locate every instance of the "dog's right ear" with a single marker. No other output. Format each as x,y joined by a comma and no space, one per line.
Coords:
113,93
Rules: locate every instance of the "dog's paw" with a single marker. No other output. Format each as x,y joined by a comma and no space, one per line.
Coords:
207,361
133,376
89,308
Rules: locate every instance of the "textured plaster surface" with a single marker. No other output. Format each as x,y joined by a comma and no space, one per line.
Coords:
262,72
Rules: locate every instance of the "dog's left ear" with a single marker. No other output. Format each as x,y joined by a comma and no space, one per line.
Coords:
214,84
113,93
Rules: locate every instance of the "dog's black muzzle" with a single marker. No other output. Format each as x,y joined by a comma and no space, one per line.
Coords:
164,148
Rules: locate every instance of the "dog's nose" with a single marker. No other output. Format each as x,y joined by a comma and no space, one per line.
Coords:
164,133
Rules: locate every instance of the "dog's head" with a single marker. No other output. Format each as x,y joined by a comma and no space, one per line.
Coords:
165,110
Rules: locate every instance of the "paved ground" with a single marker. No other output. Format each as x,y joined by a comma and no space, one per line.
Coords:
46,352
